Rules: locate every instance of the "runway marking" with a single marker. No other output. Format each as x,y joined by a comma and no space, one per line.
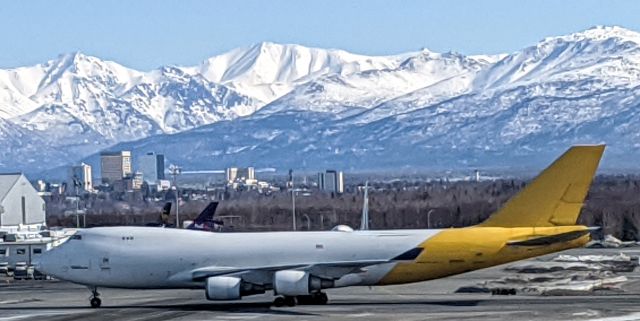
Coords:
629,317
10,301
32,315
238,317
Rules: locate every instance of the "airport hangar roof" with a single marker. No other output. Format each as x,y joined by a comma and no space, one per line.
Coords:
7,181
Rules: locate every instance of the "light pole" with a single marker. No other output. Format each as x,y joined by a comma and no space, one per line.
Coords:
293,207
76,184
175,171
429,218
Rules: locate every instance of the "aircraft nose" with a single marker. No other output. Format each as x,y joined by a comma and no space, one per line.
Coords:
42,262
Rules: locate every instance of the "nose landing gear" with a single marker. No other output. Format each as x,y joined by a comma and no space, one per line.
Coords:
95,300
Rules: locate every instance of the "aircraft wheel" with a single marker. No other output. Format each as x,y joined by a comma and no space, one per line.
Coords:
290,301
96,302
321,298
278,302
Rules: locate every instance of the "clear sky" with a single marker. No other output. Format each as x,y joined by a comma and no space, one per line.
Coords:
146,34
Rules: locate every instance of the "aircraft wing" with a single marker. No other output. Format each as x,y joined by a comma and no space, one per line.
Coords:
332,270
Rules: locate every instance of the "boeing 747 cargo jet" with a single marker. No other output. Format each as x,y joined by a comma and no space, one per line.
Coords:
298,266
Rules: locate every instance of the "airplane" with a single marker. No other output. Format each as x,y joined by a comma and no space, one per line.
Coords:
298,266
163,220
205,221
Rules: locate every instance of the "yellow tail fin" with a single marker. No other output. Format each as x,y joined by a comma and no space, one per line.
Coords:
555,197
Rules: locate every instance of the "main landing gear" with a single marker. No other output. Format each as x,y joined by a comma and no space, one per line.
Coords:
319,298
95,300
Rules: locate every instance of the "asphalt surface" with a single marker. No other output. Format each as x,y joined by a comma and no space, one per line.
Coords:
432,300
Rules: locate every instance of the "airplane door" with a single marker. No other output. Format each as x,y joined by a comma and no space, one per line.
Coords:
105,263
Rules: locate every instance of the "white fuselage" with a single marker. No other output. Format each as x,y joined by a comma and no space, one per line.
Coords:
149,257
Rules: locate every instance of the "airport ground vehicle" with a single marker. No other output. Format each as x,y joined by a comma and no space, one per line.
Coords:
23,271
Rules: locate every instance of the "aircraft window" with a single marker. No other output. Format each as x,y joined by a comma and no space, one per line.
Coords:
21,251
127,238
76,237
37,251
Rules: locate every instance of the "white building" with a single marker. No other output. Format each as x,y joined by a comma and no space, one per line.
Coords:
21,208
331,181
152,167
243,174
80,176
115,166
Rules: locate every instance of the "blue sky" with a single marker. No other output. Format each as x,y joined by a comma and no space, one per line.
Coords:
146,34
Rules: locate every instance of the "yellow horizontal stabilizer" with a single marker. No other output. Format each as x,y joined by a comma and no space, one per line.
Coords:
555,197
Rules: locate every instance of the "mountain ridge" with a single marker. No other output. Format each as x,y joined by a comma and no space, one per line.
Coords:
566,89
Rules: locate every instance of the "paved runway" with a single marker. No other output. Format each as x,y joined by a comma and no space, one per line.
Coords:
433,300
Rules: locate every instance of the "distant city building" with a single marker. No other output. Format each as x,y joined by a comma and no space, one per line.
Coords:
331,181
42,186
232,174
243,174
137,181
152,167
115,166
164,185
21,208
80,177
290,179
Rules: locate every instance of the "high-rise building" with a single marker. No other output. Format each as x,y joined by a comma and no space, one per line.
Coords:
340,183
240,173
137,181
152,167
115,166
290,179
331,181
80,177
232,174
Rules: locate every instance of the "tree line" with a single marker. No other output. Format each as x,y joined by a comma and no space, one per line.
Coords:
612,204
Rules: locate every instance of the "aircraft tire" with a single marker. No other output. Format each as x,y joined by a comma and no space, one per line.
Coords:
321,298
96,303
278,302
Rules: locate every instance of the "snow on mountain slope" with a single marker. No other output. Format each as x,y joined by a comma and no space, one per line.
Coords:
348,94
290,106
606,53
521,108
519,126
177,101
82,104
267,70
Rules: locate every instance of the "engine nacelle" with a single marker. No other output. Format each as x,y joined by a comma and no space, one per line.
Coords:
292,283
230,288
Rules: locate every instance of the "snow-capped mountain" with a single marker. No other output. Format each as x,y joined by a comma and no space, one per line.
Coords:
290,106
81,104
267,71
347,94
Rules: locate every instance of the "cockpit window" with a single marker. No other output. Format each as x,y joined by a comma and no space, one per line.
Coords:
76,237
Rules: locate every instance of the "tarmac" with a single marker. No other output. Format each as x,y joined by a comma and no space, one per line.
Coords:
432,300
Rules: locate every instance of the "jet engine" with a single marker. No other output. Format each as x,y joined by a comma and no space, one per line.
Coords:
292,283
230,288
